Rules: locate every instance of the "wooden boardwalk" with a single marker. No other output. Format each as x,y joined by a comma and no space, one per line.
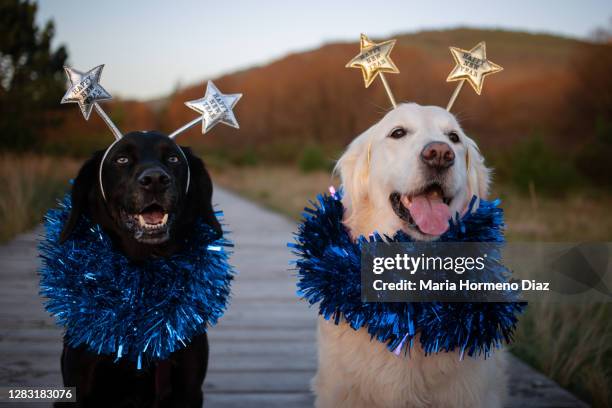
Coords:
262,352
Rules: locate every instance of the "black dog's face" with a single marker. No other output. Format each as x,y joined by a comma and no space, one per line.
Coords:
147,209
144,178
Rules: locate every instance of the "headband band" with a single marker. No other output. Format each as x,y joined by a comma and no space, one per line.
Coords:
108,151
85,90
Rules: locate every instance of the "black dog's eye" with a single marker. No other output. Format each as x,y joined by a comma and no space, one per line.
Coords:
122,160
398,133
453,136
173,159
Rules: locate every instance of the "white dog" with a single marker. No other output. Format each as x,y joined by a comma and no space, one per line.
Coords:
410,171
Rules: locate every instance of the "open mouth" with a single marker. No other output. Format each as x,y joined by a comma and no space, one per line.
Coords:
426,210
152,217
151,225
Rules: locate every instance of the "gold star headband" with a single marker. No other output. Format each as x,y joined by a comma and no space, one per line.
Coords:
85,90
472,66
374,60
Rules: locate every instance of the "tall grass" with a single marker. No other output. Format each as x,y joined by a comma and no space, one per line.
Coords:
572,344
29,185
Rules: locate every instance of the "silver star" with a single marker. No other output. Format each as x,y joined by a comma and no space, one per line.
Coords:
85,89
215,107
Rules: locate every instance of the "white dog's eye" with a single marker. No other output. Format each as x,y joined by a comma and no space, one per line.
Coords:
122,160
453,136
173,159
398,133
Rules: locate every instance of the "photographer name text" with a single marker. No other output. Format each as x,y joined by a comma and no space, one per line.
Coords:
462,285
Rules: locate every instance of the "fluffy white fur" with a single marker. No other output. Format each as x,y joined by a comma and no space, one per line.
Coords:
355,371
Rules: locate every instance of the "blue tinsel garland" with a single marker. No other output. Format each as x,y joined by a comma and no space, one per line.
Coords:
140,312
329,273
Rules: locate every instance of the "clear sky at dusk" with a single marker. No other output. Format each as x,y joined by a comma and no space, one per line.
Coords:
149,46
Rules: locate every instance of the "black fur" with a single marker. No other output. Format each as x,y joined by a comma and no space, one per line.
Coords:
177,381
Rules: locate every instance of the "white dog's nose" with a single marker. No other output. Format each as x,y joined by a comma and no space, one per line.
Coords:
438,155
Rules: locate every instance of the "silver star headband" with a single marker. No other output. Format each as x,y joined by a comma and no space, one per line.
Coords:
85,90
214,107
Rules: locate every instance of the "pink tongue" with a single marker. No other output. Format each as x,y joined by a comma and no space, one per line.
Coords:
431,215
153,217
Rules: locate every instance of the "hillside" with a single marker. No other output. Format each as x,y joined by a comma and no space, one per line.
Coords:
309,98
74,136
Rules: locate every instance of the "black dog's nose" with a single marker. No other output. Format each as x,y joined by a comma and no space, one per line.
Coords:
154,179
438,155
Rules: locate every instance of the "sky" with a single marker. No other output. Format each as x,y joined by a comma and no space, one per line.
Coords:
150,47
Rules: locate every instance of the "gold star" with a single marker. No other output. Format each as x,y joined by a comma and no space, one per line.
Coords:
373,59
472,66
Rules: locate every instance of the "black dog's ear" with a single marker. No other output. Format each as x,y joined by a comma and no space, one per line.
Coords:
201,190
83,184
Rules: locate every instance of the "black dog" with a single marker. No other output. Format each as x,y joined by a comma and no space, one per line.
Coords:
147,213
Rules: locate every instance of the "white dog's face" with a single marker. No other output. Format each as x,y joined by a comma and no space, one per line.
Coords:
414,170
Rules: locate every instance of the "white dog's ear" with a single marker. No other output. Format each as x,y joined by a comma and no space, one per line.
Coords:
479,176
353,169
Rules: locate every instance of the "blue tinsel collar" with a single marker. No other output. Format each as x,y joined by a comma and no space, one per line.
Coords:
328,271
139,312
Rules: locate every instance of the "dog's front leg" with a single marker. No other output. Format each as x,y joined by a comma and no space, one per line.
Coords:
334,386
189,366
78,368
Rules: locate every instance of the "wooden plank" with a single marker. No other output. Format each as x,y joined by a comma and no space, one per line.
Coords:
258,399
261,382
226,333
49,363
288,348
528,388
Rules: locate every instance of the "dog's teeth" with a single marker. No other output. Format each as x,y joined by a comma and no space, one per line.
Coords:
144,224
405,200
